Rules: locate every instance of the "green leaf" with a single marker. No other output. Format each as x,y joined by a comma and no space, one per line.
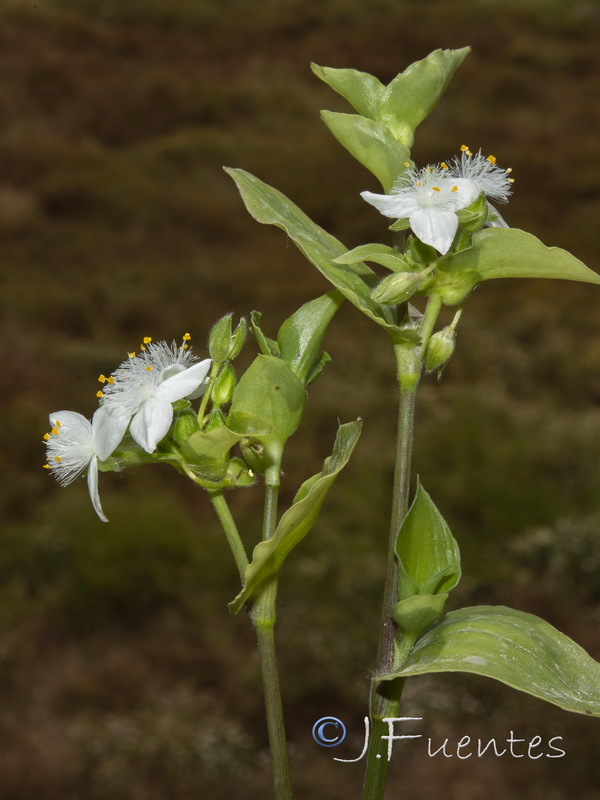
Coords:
297,521
267,347
379,254
361,90
512,253
208,453
410,97
516,648
427,553
371,143
269,395
417,613
301,335
270,206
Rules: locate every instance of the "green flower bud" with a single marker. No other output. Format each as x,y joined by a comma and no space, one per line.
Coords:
215,420
219,339
224,385
184,425
441,346
252,452
222,343
397,288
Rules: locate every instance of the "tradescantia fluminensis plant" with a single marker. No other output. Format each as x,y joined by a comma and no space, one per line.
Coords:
165,405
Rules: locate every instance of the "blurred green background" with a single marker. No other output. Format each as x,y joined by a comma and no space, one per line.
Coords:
122,675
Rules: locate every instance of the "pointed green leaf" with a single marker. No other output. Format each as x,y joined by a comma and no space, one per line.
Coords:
270,206
371,143
410,97
297,521
301,335
516,648
512,253
361,90
379,254
427,553
268,347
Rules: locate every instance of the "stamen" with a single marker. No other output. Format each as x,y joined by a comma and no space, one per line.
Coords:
443,165
508,171
147,339
407,164
46,437
99,394
131,355
58,423
57,459
510,180
454,189
110,380
186,337
464,148
436,188
55,431
45,466
102,378
491,159
418,183
148,368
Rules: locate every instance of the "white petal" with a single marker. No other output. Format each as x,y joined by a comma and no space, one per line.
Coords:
72,421
435,227
109,424
495,219
395,206
465,194
151,423
184,383
92,480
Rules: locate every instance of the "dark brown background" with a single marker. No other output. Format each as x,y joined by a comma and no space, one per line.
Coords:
122,676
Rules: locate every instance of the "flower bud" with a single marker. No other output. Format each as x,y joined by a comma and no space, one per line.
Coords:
214,420
439,349
238,338
224,385
252,452
222,343
184,425
397,288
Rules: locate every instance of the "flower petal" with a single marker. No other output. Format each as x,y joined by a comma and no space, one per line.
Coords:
76,423
92,480
466,192
109,424
495,219
395,206
151,423
183,383
435,227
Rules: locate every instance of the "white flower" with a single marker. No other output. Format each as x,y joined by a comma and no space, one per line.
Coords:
490,180
76,444
429,198
145,386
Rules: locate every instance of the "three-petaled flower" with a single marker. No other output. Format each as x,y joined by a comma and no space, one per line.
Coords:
76,444
146,385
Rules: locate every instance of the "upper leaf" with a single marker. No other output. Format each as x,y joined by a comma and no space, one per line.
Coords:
516,648
379,254
371,143
512,253
297,521
361,90
427,553
410,97
270,206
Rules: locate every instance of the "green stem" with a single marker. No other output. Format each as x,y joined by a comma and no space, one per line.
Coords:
434,306
263,616
214,371
231,531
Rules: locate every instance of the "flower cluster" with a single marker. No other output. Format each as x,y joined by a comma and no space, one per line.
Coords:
139,396
430,197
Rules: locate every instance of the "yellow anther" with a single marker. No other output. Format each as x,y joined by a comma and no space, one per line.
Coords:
131,355
184,346
110,380
455,188
187,337
429,169
436,188
99,394
491,159
510,180
45,466
58,459
55,431
102,378
46,437
147,339
418,183
443,165
58,423
148,368
508,171
464,148
142,348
